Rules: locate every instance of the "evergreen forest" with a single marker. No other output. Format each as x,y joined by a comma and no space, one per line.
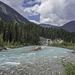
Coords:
29,34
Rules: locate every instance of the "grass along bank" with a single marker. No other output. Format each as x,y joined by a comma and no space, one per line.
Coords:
64,45
69,69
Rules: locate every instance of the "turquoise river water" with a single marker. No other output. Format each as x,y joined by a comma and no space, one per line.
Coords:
14,57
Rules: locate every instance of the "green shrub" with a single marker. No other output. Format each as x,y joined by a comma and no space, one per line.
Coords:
70,69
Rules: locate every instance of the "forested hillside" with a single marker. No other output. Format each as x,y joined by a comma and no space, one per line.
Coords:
8,14
18,34
28,34
70,26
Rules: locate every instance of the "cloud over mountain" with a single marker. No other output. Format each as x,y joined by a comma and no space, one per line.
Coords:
55,12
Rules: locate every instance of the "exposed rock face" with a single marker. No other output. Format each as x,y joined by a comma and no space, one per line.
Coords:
44,41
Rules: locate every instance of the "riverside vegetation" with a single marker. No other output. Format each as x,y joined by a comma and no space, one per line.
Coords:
69,69
12,34
68,45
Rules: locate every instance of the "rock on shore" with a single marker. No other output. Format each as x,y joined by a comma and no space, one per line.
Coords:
4,48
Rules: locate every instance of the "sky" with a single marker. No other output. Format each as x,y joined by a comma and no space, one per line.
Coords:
54,12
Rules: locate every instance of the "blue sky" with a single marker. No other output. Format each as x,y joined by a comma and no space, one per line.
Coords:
55,12
29,4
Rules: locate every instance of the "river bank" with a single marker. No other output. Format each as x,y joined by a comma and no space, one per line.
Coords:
66,45
37,47
11,47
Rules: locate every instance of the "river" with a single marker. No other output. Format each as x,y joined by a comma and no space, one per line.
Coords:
26,55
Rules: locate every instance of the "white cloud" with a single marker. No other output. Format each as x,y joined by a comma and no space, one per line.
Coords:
34,21
51,11
30,2
55,12
32,10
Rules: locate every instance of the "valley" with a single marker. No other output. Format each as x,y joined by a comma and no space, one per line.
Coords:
27,48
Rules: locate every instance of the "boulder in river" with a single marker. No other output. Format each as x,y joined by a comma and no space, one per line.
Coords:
0,48
37,48
73,51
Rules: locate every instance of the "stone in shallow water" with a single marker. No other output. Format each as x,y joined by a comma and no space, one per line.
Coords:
2,72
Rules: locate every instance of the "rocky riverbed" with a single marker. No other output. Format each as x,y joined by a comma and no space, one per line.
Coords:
46,67
35,61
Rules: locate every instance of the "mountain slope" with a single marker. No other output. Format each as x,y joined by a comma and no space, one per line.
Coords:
8,14
48,25
70,26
